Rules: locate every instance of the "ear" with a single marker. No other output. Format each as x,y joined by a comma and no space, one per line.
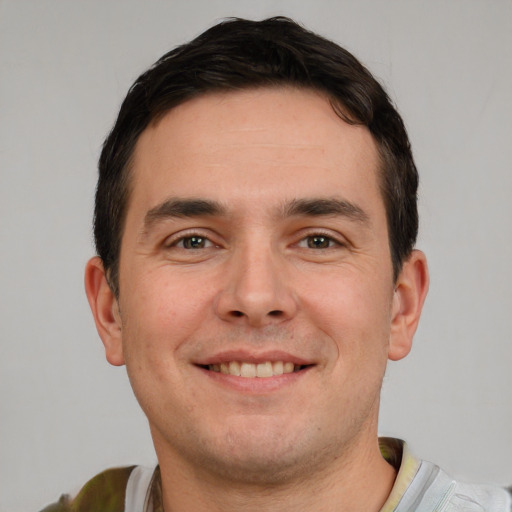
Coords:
105,310
410,291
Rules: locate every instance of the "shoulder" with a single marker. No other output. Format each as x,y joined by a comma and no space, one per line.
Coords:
105,491
424,487
464,496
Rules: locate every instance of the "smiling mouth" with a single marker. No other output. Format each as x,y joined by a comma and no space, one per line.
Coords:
256,370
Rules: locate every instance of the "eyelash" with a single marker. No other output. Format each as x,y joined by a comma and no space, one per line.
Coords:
180,241
184,237
331,241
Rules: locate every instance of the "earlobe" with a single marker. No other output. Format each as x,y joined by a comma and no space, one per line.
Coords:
104,308
409,295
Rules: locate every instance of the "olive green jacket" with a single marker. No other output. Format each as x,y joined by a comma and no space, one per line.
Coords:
103,493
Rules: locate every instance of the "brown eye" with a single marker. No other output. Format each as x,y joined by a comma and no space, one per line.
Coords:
318,242
194,242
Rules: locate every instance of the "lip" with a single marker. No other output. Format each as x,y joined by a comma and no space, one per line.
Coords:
255,385
253,357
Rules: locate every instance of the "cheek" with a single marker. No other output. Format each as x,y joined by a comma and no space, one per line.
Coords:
165,307
157,320
354,311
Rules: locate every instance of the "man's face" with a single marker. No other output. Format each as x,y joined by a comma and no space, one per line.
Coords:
256,243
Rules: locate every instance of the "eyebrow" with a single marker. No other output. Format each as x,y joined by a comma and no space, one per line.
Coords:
316,207
325,207
179,208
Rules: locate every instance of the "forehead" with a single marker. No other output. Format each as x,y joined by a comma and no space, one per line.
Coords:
253,142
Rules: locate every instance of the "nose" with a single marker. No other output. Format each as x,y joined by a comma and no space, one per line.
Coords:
255,290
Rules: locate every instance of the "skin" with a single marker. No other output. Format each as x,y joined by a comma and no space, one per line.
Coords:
283,254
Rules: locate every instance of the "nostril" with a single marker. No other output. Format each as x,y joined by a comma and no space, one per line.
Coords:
275,313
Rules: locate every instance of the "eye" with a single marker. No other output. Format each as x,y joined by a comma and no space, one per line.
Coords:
193,242
318,241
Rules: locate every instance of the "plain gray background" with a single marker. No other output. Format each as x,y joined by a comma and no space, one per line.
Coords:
65,67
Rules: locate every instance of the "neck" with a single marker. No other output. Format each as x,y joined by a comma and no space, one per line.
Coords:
359,481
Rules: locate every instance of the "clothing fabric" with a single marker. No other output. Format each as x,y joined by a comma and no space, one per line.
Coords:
420,486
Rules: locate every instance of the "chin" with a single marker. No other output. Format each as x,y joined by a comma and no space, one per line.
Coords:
266,457
257,468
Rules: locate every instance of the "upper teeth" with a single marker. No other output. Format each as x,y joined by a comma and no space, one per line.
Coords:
266,369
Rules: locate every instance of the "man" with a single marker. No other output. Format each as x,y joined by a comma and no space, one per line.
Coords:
255,225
